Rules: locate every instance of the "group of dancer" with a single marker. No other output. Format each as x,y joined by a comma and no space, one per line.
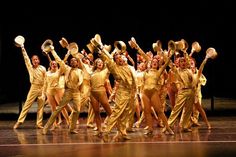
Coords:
139,90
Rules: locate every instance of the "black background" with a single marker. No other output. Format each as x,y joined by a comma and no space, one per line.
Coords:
211,24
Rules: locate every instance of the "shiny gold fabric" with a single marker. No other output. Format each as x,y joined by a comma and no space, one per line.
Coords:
36,79
125,93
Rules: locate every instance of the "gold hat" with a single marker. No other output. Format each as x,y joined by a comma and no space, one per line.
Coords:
19,40
63,42
211,53
73,48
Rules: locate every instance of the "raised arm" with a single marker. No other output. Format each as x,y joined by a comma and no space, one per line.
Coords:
133,44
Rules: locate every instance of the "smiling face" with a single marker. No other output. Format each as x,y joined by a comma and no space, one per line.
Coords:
182,63
35,61
99,64
85,60
73,62
53,66
118,59
155,63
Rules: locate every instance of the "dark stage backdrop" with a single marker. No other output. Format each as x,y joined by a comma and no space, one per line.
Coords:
210,25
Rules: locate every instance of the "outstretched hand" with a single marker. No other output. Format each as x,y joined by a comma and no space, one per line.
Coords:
133,43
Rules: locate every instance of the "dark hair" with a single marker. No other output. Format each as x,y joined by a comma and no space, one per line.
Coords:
35,56
115,55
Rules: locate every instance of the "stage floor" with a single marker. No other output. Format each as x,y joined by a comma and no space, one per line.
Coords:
201,142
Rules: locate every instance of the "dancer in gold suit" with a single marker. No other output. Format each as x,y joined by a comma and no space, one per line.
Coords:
37,74
73,80
125,93
185,97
